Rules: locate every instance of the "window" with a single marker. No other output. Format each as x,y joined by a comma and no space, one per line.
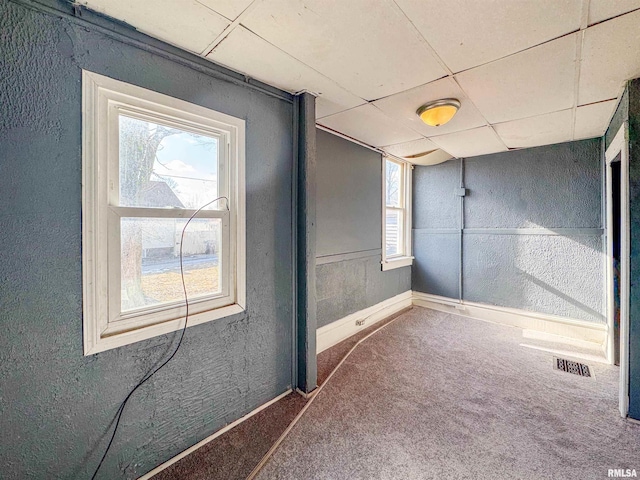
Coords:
149,163
396,225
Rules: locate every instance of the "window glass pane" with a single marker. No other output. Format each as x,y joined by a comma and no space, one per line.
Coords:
393,231
392,186
150,266
165,167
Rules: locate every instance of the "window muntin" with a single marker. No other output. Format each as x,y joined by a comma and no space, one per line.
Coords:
141,188
163,165
150,161
396,214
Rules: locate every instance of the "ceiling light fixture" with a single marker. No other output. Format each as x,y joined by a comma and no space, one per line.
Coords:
439,112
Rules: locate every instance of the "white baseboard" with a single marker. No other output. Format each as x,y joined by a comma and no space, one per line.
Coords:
193,448
335,332
545,326
542,326
577,332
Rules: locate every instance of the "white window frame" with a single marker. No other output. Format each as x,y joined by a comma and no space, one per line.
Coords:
104,325
405,258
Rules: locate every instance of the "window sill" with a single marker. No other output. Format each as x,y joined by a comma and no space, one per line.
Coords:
397,262
96,342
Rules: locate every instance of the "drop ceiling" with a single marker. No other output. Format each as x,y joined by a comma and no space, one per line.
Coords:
527,73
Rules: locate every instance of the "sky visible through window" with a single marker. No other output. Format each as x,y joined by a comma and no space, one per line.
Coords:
152,155
189,164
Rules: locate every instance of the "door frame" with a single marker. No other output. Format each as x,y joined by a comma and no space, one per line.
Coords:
619,146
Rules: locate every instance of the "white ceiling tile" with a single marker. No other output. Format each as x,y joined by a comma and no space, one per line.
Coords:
610,56
544,129
186,24
369,125
247,53
325,104
600,10
419,152
403,106
536,81
433,158
470,143
367,46
413,147
469,33
231,10
593,120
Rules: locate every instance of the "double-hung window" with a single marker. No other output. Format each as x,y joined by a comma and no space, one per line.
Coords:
396,225
150,162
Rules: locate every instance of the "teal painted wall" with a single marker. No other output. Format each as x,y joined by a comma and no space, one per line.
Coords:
508,257
55,403
349,231
633,91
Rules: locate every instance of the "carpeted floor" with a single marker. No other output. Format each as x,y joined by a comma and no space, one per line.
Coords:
234,454
330,358
436,396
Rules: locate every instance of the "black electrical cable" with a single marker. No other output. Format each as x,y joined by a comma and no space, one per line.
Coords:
152,372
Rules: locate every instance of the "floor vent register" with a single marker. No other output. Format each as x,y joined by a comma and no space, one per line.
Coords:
571,367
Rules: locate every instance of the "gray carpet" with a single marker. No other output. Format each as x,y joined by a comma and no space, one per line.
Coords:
330,358
440,396
234,454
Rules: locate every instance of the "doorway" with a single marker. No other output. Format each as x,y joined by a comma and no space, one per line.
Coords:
616,203
617,260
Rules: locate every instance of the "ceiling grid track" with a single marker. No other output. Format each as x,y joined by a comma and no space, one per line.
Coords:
238,23
528,75
427,44
311,91
576,88
451,75
584,24
230,28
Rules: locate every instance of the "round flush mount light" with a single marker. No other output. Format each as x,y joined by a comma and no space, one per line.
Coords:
439,112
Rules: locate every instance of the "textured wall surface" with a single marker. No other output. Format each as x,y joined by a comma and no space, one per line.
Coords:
555,186
634,219
532,236
437,184
437,263
621,115
436,229
348,286
349,196
306,239
349,215
56,404
554,274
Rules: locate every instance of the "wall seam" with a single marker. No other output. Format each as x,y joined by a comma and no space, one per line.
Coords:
461,269
294,243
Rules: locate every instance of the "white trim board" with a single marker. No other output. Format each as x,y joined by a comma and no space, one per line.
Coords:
572,329
193,448
619,146
335,332
574,332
